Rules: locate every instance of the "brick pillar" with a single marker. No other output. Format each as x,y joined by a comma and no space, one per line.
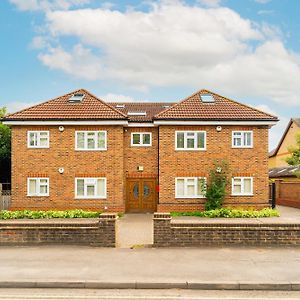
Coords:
162,229
107,226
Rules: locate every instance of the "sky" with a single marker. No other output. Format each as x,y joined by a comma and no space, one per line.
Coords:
247,50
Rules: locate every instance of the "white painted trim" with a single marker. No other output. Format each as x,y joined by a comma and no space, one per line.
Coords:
38,139
96,140
59,123
89,197
185,188
242,186
185,140
38,194
163,122
242,139
140,124
140,145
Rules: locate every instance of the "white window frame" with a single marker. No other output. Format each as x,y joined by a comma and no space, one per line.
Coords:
38,132
38,193
242,193
141,139
86,143
185,140
185,188
85,196
242,139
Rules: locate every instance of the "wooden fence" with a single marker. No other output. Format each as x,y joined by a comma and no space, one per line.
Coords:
288,193
5,196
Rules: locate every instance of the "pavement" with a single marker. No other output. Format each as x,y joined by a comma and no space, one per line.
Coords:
150,268
133,230
133,266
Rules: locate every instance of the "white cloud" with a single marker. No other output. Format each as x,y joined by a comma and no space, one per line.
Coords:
212,48
39,42
265,12
262,1
210,3
15,106
80,62
46,5
110,97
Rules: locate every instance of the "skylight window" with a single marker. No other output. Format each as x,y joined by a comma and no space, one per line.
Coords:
136,113
120,106
75,98
207,98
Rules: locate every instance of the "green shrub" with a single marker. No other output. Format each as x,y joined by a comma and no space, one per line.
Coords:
230,213
216,187
47,214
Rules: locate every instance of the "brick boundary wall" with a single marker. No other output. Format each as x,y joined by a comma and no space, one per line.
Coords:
90,232
168,233
288,193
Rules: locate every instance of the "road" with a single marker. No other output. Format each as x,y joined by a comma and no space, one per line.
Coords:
80,294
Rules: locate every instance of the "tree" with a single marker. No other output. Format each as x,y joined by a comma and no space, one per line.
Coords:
294,158
216,187
5,148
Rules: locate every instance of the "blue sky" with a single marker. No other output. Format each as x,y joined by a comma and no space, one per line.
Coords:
154,50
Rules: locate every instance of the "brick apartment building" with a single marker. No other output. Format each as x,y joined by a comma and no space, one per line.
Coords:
77,151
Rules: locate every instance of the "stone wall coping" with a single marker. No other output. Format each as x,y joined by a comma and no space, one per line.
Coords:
162,216
237,221
111,216
50,222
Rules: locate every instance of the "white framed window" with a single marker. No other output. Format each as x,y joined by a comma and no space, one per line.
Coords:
242,139
90,188
190,140
242,186
190,187
91,140
141,139
38,139
37,186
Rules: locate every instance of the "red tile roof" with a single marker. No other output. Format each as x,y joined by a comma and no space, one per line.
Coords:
150,108
90,108
93,108
192,108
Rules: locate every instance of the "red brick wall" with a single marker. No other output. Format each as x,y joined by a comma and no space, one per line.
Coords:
45,162
242,162
141,156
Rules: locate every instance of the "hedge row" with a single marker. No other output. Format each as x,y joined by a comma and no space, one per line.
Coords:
230,213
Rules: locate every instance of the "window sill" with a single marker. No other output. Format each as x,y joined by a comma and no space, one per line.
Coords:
244,195
38,147
190,197
37,195
88,150
90,198
248,147
176,149
141,145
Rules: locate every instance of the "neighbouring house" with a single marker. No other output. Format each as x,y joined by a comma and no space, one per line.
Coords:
278,156
77,151
284,173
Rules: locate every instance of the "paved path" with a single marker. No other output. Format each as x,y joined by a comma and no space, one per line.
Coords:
134,230
137,268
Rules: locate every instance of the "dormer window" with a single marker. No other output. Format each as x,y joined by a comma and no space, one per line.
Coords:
136,113
76,98
207,98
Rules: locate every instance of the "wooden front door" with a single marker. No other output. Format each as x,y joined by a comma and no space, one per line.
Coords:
141,195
